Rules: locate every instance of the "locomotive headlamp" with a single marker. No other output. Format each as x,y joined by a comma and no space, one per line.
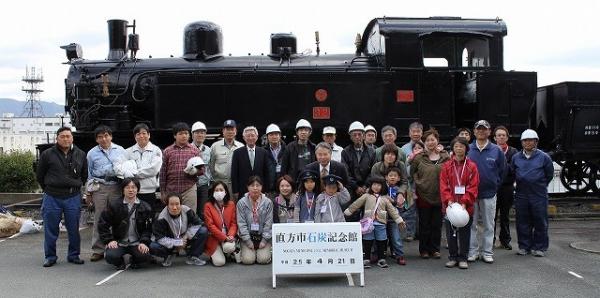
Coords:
74,51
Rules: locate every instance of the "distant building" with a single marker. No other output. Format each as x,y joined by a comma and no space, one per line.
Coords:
23,133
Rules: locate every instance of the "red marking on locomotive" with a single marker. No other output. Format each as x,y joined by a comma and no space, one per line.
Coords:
320,113
405,96
321,95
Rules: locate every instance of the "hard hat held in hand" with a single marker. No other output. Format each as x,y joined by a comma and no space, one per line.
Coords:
457,215
192,165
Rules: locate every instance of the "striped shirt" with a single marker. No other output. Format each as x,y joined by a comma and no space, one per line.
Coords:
172,177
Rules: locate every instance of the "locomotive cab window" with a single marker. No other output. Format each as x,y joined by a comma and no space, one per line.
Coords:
455,51
376,43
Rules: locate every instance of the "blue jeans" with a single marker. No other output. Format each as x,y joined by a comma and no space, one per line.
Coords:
410,217
52,211
395,238
378,233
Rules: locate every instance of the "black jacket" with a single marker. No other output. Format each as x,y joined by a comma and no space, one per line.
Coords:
61,175
113,223
241,169
291,163
509,178
359,171
278,161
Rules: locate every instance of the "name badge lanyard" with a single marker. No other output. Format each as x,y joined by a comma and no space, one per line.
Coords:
255,212
459,181
330,211
179,231
309,204
221,213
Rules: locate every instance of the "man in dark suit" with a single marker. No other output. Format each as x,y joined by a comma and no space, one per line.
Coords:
248,161
325,166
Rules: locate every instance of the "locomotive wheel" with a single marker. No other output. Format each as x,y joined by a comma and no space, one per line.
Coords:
577,176
596,180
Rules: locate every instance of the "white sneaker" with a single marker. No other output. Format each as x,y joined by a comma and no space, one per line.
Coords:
488,259
168,261
195,261
473,258
538,253
522,252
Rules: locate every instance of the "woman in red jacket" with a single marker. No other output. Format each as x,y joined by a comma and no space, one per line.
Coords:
459,181
221,221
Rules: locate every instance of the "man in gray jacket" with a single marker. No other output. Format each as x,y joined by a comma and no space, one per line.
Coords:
221,153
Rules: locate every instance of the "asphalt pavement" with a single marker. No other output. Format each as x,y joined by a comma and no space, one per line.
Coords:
564,272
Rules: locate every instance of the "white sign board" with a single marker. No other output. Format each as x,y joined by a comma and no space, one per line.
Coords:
317,248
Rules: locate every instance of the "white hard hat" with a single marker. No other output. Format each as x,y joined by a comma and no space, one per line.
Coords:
457,215
196,161
198,126
273,128
370,127
329,130
356,126
303,123
192,164
529,134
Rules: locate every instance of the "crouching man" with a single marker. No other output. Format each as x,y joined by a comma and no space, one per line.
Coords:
178,229
125,226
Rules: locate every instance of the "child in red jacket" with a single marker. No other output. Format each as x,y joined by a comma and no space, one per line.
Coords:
459,181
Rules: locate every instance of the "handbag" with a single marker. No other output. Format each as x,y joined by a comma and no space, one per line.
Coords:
366,223
256,238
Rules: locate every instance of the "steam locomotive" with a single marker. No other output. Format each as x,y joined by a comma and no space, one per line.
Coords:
445,72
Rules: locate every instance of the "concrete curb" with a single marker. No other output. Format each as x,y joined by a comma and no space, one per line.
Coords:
591,246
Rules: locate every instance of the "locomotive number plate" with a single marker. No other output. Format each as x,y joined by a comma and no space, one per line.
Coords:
321,113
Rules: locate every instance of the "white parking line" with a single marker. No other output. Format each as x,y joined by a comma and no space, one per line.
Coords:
350,279
111,276
11,237
575,274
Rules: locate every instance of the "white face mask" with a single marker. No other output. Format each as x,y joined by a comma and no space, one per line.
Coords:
219,195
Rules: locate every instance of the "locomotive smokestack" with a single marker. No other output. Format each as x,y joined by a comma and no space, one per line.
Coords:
117,39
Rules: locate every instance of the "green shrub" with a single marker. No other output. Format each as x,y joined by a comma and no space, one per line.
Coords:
16,172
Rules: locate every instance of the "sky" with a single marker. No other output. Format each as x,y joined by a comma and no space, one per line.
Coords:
558,39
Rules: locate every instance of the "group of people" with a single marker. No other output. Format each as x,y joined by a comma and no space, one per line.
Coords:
219,202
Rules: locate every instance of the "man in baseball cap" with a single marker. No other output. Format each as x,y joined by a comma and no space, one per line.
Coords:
482,123
491,165
221,153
